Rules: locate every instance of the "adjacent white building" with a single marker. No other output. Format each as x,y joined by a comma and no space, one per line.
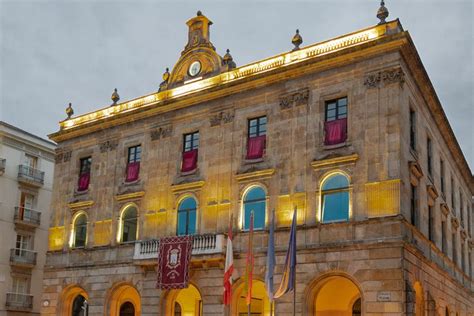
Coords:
26,176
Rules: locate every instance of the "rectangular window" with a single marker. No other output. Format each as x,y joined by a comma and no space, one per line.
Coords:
84,174
453,199
190,152
31,161
22,245
469,219
335,121
19,285
257,131
430,223
414,206
444,243
133,163
441,174
429,156
461,208
463,258
412,130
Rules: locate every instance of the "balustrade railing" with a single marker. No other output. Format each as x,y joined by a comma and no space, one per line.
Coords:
22,256
19,301
30,174
27,216
202,244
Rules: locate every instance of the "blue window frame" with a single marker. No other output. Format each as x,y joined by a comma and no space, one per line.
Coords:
335,199
187,217
255,200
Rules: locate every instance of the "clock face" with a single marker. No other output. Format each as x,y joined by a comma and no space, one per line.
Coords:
194,69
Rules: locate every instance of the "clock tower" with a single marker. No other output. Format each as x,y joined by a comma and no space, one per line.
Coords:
199,58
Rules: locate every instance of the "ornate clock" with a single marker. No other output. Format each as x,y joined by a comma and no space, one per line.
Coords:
194,68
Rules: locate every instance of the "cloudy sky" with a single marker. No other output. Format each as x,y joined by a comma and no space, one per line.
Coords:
55,52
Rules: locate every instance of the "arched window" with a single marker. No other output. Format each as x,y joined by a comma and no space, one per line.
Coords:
254,200
80,231
79,306
335,198
187,217
128,223
356,308
127,309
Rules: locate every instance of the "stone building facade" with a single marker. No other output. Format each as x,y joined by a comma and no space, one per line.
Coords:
26,181
349,131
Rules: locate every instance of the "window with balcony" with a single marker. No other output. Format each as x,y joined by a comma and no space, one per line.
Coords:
133,163
335,198
30,161
79,231
23,244
254,200
187,216
335,122
414,206
84,174
429,155
128,224
190,152
18,298
256,137
25,213
412,130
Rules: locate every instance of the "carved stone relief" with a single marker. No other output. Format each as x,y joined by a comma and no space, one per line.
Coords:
108,145
295,98
161,132
222,117
386,76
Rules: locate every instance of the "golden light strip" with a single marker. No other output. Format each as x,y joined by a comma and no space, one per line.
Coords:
233,75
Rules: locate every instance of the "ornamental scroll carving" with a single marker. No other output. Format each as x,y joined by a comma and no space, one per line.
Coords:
161,132
108,145
295,98
63,157
387,76
222,117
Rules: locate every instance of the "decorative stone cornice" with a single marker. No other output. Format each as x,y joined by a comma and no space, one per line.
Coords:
221,117
255,175
415,169
385,77
334,161
294,98
130,196
80,205
190,186
433,193
161,132
108,145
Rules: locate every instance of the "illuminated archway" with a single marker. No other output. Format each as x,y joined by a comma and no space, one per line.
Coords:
185,302
260,305
128,223
123,300
334,295
419,299
70,295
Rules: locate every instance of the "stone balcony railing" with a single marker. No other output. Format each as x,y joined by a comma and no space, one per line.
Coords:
19,302
30,175
26,216
22,257
3,163
202,245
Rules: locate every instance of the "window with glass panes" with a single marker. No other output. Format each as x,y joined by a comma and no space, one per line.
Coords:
257,127
441,174
191,141
85,165
134,154
412,129
187,217
336,109
414,206
429,155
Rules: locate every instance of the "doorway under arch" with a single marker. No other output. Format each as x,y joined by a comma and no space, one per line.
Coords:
72,301
184,302
124,300
336,295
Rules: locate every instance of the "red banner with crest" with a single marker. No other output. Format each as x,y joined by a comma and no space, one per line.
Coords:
174,256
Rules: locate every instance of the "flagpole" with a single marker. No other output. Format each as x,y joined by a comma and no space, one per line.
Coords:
294,279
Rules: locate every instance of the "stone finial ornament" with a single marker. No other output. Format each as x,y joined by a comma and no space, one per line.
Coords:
69,111
382,12
228,60
166,75
115,97
297,40
199,13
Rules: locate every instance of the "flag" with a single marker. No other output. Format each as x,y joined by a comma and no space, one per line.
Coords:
289,274
249,267
174,257
229,267
270,259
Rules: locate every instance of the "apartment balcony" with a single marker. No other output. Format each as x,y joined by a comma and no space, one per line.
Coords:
30,176
3,163
19,302
146,251
22,258
27,217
